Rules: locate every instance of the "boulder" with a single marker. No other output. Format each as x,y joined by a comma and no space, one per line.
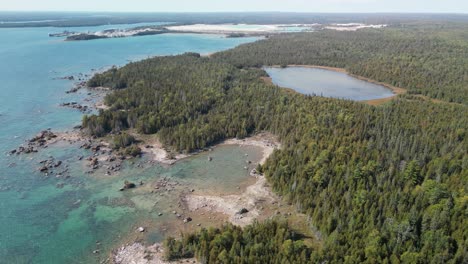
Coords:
129,185
243,211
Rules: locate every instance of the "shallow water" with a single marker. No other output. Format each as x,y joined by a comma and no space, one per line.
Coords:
327,83
42,222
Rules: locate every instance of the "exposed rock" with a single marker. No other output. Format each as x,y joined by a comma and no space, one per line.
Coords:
34,143
75,105
187,219
141,229
94,162
243,211
128,185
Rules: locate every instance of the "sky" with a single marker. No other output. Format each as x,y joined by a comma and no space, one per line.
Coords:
425,6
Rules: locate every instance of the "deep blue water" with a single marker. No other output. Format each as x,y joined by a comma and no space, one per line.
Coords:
327,83
40,223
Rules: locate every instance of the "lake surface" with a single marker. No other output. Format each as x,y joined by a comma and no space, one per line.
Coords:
43,222
327,83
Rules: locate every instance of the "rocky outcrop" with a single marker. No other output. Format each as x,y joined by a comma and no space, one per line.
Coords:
77,87
128,185
243,211
75,105
48,167
35,143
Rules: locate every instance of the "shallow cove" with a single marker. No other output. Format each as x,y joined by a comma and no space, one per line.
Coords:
59,220
327,83
50,224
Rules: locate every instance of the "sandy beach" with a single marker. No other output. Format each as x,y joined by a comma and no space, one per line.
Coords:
238,28
153,147
353,26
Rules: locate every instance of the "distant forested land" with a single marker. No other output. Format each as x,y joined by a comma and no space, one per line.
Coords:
74,19
383,184
427,59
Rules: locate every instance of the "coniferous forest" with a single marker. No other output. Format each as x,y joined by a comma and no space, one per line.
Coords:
383,184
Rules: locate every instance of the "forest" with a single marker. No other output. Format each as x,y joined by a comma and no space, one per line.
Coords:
268,242
426,59
383,184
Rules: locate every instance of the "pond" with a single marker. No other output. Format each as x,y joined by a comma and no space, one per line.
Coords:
327,83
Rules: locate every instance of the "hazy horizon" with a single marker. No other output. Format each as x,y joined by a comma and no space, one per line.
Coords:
226,12
210,6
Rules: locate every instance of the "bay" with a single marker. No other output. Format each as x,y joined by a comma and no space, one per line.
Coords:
49,220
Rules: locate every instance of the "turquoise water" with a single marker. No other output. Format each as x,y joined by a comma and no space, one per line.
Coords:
327,83
42,222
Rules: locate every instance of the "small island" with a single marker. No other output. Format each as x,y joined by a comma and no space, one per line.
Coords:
113,33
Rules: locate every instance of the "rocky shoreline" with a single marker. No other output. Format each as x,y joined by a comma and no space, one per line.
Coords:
240,209
137,253
33,145
82,108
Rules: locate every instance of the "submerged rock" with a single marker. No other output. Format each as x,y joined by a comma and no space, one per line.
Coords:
128,185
